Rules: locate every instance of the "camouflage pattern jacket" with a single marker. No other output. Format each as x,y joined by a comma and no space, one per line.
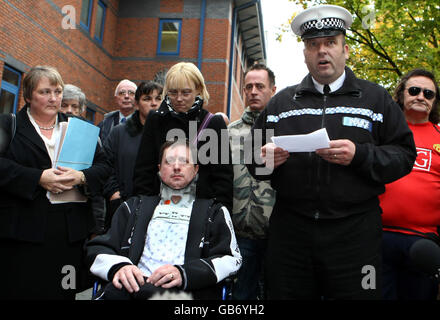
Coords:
253,200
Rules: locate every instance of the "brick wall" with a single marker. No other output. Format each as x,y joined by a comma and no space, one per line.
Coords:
34,35
31,33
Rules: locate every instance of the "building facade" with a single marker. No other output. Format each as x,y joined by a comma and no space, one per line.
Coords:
96,43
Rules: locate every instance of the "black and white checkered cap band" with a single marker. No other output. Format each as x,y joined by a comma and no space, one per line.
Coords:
326,23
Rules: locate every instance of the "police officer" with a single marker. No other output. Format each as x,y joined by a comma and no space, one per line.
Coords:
325,230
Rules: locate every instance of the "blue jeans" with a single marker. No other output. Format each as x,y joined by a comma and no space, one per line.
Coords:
249,283
400,279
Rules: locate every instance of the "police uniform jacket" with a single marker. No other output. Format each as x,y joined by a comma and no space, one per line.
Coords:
360,111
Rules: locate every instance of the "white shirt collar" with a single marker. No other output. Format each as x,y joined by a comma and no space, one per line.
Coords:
335,85
121,116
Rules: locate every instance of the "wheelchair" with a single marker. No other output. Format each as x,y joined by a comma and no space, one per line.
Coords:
226,286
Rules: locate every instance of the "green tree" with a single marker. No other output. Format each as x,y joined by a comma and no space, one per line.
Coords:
389,38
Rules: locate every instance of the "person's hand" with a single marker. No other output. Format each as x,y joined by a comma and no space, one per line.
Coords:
115,196
54,181
273,156
340,152
72,176
167,276
130,277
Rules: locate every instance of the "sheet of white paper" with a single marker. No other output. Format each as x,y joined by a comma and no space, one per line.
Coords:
303,142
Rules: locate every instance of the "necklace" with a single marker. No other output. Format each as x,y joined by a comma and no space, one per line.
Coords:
47,128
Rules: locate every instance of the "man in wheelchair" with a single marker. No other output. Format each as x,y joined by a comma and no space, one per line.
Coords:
171,242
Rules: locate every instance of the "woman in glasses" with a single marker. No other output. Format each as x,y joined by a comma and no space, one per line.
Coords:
411,205
183,114
74,101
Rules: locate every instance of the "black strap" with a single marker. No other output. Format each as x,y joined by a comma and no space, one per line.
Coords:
8,124
436,127
13,126
202,127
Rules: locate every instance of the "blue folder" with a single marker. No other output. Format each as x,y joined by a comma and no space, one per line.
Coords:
79,145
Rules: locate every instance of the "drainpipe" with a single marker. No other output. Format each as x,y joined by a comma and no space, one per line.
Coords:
260,17
231,54
201,33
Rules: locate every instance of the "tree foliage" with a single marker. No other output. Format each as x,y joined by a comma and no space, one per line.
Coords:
389,38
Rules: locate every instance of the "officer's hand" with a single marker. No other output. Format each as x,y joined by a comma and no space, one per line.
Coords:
273,156
340,152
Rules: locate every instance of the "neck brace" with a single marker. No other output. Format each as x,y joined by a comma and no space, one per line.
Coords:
188,193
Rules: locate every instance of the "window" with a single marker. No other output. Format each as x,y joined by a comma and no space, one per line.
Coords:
86,13
100,21
169,37
9,89
90,115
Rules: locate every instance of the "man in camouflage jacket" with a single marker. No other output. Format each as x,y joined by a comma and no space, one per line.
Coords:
253,200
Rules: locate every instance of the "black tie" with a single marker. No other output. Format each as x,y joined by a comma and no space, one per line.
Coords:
326,89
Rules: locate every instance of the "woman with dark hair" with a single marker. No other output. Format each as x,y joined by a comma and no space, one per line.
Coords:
411,205
122,144
399,93
42,242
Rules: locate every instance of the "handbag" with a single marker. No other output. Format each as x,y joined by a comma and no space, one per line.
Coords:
8,125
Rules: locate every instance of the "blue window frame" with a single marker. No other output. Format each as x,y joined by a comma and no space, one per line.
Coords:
86,14
169,37
100,21
9,89
90,115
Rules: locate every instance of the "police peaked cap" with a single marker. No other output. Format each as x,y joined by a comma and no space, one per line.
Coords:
322,21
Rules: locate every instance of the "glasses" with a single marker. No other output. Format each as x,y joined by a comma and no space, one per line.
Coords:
122,93
250,86
414,91
184,93
180,160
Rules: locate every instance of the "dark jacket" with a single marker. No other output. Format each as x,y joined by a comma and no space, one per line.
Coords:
215,177
110,120
121,148
360,111
211,252
23,202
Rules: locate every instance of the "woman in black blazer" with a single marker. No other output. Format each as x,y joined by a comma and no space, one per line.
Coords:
41,244
182,113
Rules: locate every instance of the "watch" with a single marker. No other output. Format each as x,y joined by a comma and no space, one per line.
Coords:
83,178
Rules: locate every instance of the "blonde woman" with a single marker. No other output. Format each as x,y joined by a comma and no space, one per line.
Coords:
183,111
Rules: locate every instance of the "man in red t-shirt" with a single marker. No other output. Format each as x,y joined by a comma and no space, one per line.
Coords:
411,205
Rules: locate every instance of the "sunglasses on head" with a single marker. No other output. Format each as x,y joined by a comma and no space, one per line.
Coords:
414,91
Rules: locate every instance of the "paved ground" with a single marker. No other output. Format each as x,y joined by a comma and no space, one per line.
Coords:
85,295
